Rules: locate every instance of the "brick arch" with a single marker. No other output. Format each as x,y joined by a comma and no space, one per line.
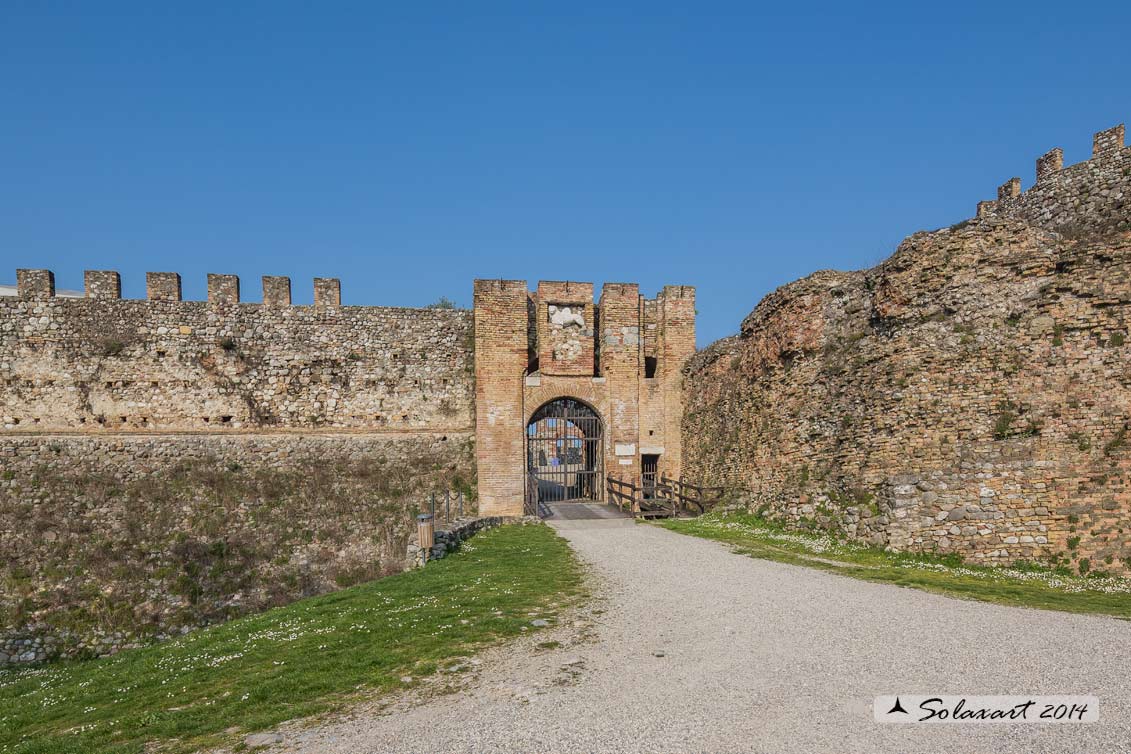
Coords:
538,397
565,450
541,404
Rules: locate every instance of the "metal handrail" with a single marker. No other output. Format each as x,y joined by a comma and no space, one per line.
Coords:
450,499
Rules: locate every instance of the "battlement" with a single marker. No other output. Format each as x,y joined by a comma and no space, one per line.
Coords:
166,286
494,286
92,361
678,291
1090,195
619,289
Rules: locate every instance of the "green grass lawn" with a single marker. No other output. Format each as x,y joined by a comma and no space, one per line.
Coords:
293,661
1025,585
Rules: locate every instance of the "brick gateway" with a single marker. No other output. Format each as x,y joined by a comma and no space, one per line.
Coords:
564,453
610,368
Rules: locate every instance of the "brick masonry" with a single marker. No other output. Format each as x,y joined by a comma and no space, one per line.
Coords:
533,348
969,395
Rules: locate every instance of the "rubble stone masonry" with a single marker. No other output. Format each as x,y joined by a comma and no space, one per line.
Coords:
189,460
969,395
114,540
103,363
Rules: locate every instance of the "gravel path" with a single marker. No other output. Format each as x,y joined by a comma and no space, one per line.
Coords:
756,657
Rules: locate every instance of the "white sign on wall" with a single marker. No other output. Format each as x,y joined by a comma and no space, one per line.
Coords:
625,449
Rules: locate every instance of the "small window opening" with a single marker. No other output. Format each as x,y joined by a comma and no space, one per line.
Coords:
225,420
649,366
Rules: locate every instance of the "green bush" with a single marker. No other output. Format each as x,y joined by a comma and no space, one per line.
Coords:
442,303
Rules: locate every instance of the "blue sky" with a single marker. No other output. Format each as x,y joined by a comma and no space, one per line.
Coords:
408,148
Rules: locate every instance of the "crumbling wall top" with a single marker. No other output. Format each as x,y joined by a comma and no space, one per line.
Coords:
1089,196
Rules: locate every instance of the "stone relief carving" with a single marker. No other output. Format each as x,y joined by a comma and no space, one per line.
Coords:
565,316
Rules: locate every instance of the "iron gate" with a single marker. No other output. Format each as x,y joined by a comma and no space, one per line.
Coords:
564,453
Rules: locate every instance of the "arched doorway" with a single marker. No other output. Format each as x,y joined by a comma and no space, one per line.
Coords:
564,455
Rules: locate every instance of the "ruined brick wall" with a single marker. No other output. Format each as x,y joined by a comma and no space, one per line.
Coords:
971,394
101,362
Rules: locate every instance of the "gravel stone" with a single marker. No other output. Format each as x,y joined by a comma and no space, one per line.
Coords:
259,740
795,669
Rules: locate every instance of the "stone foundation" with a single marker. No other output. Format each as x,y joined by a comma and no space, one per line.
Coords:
115,541
449,538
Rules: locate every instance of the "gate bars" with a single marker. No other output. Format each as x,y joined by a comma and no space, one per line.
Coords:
564,455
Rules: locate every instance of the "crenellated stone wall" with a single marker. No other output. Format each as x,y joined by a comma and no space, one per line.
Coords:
1093,196
969,395
166,463
103,363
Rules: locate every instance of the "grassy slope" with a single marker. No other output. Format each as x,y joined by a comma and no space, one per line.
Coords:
292,661
1027,586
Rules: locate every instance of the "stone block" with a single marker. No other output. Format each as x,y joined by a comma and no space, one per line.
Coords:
35,284
162,286
102,284
1109,142
276,290
1050,163
327,293
223,289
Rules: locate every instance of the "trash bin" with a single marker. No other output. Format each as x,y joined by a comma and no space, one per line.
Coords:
425,531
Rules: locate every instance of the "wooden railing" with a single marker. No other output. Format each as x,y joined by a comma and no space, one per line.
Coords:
689,496
624,495
670,498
